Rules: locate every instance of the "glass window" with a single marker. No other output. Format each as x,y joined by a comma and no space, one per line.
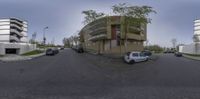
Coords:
135,55
142,54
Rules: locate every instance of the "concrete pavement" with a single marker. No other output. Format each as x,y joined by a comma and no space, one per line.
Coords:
70,75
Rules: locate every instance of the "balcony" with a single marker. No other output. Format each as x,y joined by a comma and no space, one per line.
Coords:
14,25
135,37
16,32
196,38
14,38
98,31
98,37
17,22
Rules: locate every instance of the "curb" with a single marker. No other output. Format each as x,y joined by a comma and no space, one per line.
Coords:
24,59
191,57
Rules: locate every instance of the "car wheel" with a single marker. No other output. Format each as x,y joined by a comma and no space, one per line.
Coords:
146,59
131,62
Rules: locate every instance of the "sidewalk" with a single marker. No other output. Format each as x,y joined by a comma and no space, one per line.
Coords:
13,57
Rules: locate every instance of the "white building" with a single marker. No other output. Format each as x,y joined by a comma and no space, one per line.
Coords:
13,37
193,48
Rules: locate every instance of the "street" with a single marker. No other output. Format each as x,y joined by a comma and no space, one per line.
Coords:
70,75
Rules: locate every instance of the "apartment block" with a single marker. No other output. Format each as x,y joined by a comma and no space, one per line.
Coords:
13,36
113,35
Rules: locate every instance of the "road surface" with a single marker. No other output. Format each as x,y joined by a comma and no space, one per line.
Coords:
70,75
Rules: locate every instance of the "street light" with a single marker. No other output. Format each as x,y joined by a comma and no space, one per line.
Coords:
44,38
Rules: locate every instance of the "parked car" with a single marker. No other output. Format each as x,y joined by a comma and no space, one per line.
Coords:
133,57
147,53
62,48
168,51
50,51
80,49
178,54
56,50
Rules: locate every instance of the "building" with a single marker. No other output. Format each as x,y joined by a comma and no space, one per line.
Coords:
13,37
193,48
113,35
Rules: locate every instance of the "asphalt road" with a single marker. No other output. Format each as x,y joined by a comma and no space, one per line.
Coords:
70,75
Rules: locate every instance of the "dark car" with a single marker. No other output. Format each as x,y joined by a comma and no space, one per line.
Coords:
147,53
62,48
79,49
178,54
50,52
169,51
56,50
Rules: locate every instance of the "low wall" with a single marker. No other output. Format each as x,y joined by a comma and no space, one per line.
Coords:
190,49
23,47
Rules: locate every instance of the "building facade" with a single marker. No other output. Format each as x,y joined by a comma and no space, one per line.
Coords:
113,35
193,48
13,36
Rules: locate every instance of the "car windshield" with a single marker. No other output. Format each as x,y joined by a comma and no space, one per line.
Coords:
142,54
135,54
99,49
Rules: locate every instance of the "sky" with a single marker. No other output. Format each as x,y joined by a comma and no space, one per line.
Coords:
174,18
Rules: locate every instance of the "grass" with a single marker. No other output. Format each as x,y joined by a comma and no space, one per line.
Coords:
195,55
192,56
35,52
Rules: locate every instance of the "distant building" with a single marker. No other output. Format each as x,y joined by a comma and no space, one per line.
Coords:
13,37
113,35
193,48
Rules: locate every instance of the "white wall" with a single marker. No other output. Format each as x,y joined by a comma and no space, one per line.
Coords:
190,49
23,47
5,32
4,27
5,38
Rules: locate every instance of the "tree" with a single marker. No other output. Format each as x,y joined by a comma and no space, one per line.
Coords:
140,14
91,15
174,42
155,48
33,38
135,15
66,42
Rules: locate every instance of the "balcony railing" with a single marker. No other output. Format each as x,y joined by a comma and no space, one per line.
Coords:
97,31
196,38
16,22
97,37
14,25
16,32
14,38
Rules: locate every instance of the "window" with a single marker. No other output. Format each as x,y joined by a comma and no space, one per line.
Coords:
135,55
142,54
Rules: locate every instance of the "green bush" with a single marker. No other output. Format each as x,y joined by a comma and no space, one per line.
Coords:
35,52
154,48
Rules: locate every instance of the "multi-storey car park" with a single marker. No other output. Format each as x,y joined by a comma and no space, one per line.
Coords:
13,37
113,35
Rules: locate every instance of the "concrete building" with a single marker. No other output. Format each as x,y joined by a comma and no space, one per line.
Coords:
13,37
113,35
193,48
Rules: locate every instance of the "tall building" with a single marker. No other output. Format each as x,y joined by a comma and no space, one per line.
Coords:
13,31
113,35
196,37
193,48
13,36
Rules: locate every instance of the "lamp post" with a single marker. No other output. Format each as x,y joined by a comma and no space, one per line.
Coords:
44,38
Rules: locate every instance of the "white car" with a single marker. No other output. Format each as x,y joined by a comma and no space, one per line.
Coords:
133,57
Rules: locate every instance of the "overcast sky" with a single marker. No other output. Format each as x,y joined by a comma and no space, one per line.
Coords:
174,18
